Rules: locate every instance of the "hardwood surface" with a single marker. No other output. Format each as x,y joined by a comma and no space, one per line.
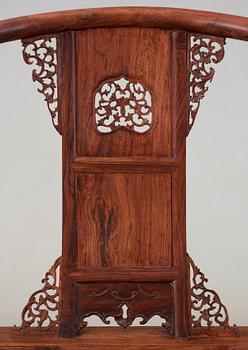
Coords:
143,53
122,189
124,160
204,22
118,221
115,338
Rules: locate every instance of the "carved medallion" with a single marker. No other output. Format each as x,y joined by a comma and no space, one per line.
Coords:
123,103
42,54
204,52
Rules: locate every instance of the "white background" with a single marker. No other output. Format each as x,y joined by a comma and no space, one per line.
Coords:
30,175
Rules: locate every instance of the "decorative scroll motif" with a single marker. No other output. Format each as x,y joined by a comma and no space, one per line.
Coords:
123,103
207,310
41,52
126,302
204,51
42,309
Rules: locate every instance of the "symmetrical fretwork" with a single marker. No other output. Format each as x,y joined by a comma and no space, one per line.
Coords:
204,51
123,103
207,310
42,53
42,309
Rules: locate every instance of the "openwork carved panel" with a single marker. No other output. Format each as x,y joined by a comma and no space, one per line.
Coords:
125,302
123,103
207,310
42,54
204,52
42,309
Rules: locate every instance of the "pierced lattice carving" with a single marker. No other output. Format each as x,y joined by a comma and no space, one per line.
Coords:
42,53
207,310
42,309
122,319
123,103
204,51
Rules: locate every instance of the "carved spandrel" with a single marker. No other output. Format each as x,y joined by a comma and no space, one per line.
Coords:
41,53
42,309
208,313
207,310
204,52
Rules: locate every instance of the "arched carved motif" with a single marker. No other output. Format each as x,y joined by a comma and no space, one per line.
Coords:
204,51
122,103
42,53
207,309
42,309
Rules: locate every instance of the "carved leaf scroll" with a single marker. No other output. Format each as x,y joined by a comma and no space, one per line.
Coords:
41,52
207,309
123,103
42,309
204,52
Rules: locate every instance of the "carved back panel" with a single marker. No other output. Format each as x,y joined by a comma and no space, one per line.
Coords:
123,87
127,98
123,107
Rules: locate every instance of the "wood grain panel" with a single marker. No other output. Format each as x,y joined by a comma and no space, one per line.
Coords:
144,56
118,221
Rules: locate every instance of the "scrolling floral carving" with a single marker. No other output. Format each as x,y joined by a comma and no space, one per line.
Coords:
207,310
204,51
121,103
42,309
42,53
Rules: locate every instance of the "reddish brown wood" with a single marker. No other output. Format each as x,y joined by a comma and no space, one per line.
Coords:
195,21
207,309
139,300
118,221
109,274
138,59
41,52
116,338
124,165
204,53
123,105
121,189
67,112
43,308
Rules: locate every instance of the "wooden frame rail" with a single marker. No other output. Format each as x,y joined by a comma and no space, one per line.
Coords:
202,22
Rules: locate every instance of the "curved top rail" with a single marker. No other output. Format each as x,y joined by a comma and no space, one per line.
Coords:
203,22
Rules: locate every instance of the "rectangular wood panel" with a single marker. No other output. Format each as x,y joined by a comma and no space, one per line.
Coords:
125,301
144,57
123,220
